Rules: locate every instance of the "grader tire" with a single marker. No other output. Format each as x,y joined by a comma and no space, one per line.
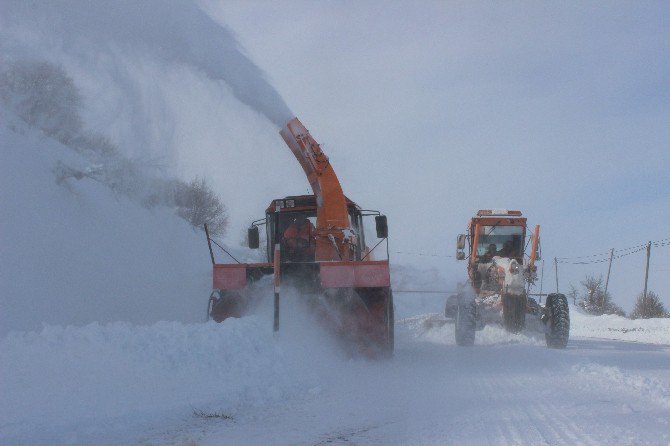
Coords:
514,313
557,320
466,321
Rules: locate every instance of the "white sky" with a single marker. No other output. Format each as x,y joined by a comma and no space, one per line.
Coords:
432,110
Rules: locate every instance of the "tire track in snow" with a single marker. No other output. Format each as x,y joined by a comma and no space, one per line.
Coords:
523,422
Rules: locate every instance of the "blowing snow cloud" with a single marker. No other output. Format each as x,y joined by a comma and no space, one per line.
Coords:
176,32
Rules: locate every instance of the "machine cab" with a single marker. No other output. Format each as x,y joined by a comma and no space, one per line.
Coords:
291,222
494,233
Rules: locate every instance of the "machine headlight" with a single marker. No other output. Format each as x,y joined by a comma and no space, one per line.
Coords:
514,268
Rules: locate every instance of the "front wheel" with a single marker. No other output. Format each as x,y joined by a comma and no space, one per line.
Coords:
466,321
557,318
514,312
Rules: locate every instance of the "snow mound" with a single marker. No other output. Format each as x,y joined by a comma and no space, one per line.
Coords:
651,388
610,326
64,378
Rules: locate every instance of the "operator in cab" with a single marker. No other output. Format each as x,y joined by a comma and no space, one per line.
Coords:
298,240
490,253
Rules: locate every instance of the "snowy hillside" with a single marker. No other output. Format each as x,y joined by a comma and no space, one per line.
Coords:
79,252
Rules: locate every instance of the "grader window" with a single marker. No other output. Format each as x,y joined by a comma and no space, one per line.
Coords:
504,241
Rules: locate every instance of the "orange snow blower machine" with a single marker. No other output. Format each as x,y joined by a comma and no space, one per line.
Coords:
316,245
501,273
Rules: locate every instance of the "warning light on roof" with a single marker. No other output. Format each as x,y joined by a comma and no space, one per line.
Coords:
483,212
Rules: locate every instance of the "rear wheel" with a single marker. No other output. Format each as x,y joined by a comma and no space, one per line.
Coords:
466,321
557,318
514,312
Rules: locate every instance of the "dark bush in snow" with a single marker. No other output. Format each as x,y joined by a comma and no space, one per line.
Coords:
44,96
594,300
197,204
648,307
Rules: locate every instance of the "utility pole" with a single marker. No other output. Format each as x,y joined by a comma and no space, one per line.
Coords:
646,279
556,268
607,281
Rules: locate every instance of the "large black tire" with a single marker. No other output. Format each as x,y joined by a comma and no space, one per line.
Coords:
466,321
514,312
451,306
557,318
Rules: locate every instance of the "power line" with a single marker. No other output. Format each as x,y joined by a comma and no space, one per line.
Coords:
604,257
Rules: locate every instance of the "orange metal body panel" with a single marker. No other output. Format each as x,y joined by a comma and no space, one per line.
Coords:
473,248
229,277
365,274
232,276
536,240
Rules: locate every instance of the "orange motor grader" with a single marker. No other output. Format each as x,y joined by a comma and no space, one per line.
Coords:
316,246
501,270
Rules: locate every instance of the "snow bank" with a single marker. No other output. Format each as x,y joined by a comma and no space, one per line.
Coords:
78,253
654,389
61,374
65,380
610,326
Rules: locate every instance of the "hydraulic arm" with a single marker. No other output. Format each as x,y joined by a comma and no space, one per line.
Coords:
333,228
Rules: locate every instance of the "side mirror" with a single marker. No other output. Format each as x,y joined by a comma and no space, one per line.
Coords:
382,226
460,241
460,255
253,236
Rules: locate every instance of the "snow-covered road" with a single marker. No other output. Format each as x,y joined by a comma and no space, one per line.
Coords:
595,392
122,384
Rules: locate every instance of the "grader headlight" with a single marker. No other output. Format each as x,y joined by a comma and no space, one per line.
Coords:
514,267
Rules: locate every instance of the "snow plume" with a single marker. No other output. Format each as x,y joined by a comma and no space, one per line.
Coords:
174,32
44,97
